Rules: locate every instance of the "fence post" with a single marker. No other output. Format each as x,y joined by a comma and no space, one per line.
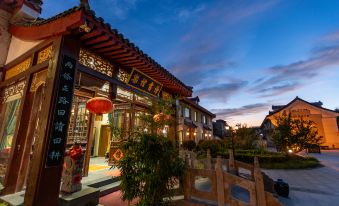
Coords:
208,160
231,163
220,182
187,180
259,183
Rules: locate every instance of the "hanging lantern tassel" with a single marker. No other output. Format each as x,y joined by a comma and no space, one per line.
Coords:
99,105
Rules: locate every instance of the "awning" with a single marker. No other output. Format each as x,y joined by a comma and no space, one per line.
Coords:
190,123
206,127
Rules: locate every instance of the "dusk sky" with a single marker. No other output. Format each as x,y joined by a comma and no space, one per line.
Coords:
240,56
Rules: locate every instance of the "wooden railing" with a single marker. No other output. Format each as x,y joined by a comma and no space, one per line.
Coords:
224,176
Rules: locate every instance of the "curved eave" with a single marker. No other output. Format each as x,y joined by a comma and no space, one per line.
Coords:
103,40
58,27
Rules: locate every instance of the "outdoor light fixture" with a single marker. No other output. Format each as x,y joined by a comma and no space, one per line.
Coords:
187,133
236,127
209,135
195,133
145,130
164,131
227,127
290,151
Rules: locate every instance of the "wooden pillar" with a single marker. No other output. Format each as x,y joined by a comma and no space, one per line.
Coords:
259,184
46,167
220,182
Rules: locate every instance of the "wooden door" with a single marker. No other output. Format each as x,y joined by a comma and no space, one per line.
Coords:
104,140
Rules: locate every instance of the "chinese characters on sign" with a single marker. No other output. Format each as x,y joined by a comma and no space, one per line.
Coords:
144,83
58,133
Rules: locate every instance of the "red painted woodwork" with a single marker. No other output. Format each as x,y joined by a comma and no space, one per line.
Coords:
58,27
103,41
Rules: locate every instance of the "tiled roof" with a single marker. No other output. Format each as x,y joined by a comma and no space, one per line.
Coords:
115,32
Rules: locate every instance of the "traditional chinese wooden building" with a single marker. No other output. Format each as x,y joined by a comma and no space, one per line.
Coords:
49,69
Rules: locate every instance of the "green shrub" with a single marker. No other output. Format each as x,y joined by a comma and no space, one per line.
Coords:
213,145
149,169
189,145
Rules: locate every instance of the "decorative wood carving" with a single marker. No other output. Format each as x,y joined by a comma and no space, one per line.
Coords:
39,78
95,62
17,69
45,54
13,90
123,75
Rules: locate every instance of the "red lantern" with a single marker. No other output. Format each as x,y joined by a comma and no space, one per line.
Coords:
99,105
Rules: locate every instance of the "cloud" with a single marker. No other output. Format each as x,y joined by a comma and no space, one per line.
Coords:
207,45
186,13
115,8
221,92
241,111
285,78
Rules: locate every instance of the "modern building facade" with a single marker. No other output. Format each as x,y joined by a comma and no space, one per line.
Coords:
326,120
194,121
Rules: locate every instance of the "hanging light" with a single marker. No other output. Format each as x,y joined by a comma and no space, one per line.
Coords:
161,116
99,105
158,117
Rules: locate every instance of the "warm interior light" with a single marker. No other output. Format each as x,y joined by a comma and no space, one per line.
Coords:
164,131
290,151
145,130
209,135
187,133
227,127
195,133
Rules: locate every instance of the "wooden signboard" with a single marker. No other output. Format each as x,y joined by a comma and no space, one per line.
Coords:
58,133
144,83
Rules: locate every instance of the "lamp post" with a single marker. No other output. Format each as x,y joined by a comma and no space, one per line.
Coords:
232,135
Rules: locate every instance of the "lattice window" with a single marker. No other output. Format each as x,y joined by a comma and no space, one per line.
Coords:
19,68
39,78
123,76
12,91
79,121
95,62
45,54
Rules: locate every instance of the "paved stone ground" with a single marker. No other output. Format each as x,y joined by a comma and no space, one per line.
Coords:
312,187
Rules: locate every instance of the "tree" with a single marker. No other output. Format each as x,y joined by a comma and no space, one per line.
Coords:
149,169
151,165
294,133
245,137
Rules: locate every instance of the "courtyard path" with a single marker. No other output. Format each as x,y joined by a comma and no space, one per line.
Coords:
312,187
